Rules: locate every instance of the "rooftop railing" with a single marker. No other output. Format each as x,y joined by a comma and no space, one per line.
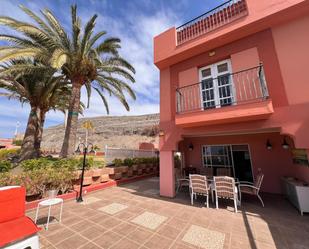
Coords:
211,20
246,86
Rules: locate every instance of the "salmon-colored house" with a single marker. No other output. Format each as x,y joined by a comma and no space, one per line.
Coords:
234,92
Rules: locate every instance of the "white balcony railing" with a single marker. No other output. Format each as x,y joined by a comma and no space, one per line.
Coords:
211,20
246,86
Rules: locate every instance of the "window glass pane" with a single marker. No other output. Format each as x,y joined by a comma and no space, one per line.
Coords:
206,72
218,150
222,68
224,80
219,160
206,84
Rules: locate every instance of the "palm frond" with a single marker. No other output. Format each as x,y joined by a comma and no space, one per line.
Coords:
57,28
110,45
103,99
87,33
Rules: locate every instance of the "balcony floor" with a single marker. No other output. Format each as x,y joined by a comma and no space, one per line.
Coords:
135,216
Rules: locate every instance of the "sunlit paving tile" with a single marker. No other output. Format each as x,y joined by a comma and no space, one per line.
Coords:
149,220
151,192
113,208
89,200
204,238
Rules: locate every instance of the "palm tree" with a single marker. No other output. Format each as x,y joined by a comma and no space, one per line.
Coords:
82,57
42,91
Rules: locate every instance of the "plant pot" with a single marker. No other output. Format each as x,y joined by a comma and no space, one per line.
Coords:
139,172
135,167
117,176
96,172
87,180
88,173
106,170
130,172
104,178
114,170
52,193
124,169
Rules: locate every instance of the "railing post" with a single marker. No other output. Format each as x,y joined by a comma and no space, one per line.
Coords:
178,101
263,82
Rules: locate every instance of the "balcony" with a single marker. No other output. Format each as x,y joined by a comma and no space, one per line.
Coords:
232,97
211,20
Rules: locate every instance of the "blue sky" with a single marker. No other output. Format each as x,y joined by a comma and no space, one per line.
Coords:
135,22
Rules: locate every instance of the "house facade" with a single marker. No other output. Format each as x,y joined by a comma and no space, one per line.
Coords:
234,92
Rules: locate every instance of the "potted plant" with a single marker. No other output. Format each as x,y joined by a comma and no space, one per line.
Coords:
135,165
143,164
129,163
116,170
139,167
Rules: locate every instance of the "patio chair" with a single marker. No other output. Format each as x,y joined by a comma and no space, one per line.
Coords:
181,181
224,172
252,188
225,188
199,186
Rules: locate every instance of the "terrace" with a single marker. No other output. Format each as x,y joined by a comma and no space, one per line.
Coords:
135,216
211,20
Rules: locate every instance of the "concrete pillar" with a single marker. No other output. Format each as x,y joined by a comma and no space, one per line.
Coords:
167,175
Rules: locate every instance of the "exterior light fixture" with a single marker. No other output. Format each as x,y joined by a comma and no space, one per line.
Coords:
212,53
268,145
285,145
161,133
85,151
191,147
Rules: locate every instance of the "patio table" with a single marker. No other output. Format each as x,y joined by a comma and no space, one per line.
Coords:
49,203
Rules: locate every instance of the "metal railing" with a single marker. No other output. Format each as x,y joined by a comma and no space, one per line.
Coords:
213,19
246,86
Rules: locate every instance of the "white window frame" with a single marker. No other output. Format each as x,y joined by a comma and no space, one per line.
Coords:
214,75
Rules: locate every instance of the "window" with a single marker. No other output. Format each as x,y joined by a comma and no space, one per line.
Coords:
216,85
217,156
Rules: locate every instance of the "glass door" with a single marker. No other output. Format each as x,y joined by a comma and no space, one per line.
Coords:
216,85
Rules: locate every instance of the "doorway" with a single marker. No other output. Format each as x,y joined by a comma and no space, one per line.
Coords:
236,156
242,163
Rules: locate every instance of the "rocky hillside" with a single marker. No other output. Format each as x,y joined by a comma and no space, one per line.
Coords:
114,131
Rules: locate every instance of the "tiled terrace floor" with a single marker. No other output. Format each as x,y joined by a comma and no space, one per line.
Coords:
134,216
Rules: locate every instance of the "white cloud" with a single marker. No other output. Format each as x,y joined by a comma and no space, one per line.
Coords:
136,30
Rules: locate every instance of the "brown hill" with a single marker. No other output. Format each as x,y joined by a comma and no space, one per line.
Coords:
113,131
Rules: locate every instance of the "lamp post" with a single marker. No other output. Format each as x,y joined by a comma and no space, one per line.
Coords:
85,151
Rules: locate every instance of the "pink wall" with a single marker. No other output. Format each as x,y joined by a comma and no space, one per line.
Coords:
244,54
274,163
291,42
262,15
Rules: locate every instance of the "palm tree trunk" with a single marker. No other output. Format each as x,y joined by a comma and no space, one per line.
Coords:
68,145
39,133
28,148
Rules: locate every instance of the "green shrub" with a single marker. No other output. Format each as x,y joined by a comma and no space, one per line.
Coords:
7,153
5,166
128,162
38,181
72,164
118,162
35,164
18,142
